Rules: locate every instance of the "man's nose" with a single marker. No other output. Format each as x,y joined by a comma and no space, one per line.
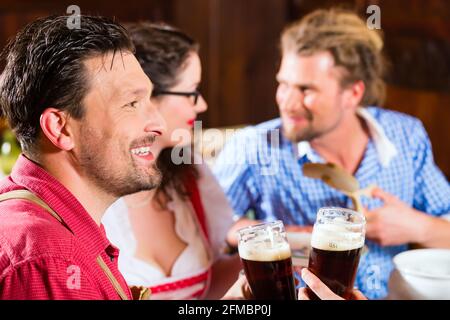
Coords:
155,121
292,100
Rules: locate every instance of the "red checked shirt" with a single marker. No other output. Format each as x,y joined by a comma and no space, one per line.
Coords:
39,257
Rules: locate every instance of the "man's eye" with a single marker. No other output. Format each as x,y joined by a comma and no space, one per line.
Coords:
305,90
132,104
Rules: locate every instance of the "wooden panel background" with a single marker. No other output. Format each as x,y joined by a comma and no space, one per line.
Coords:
239,50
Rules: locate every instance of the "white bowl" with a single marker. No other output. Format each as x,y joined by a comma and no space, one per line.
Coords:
421,274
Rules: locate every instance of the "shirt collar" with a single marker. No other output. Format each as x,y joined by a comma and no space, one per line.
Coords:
31,176
386,150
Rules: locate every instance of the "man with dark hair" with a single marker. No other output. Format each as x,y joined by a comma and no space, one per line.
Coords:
79,104
329,91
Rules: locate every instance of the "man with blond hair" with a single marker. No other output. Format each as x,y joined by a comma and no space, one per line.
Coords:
329,91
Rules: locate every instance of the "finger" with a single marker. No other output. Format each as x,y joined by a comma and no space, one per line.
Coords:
367,191
365,210
297,228
370,229
318,287
371,224
369,215
357,295
239,290
247,292
374,235
383,195
303,294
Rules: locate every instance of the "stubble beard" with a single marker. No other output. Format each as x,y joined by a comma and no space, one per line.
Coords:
117,181
294,135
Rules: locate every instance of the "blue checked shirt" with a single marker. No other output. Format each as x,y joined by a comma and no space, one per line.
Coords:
260,170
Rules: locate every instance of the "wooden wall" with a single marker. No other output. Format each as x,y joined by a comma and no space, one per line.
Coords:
239,50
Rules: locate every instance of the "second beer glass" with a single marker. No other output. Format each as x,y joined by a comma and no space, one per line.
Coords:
336,244
266,257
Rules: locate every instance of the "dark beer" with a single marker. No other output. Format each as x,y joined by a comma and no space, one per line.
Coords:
337,269
271,280
267,261
336,244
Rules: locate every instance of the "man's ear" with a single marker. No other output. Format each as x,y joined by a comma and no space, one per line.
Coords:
355,93
55,126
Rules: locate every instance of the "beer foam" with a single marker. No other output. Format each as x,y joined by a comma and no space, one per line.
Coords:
264,251
335,237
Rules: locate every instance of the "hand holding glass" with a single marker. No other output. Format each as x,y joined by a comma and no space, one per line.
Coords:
336,244
266,257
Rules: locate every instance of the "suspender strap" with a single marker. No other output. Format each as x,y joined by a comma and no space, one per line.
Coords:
191,185
27,195
111,278
194,196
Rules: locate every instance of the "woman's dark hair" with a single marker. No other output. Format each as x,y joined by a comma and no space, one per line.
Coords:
45,68
162,52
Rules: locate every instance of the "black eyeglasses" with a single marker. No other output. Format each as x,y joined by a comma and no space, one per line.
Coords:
194,94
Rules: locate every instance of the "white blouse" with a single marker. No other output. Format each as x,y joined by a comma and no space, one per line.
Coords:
196,258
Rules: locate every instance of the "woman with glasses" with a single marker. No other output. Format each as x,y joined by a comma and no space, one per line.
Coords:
172,239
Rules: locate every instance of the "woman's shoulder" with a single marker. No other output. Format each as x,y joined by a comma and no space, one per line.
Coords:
118,227
115,212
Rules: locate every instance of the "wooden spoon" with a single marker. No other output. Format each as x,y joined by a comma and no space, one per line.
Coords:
339,179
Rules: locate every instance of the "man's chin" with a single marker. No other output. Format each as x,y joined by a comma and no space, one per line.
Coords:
292,135
153,176
296,134
139,186
143,179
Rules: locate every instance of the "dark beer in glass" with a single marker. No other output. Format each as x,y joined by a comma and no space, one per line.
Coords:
267,261
336,244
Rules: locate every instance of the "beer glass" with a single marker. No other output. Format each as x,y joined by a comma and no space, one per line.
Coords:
267,262
336,244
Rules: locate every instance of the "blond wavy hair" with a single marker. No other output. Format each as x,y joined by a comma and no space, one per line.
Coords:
352,44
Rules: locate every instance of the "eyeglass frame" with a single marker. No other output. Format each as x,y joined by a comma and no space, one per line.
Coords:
188,94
